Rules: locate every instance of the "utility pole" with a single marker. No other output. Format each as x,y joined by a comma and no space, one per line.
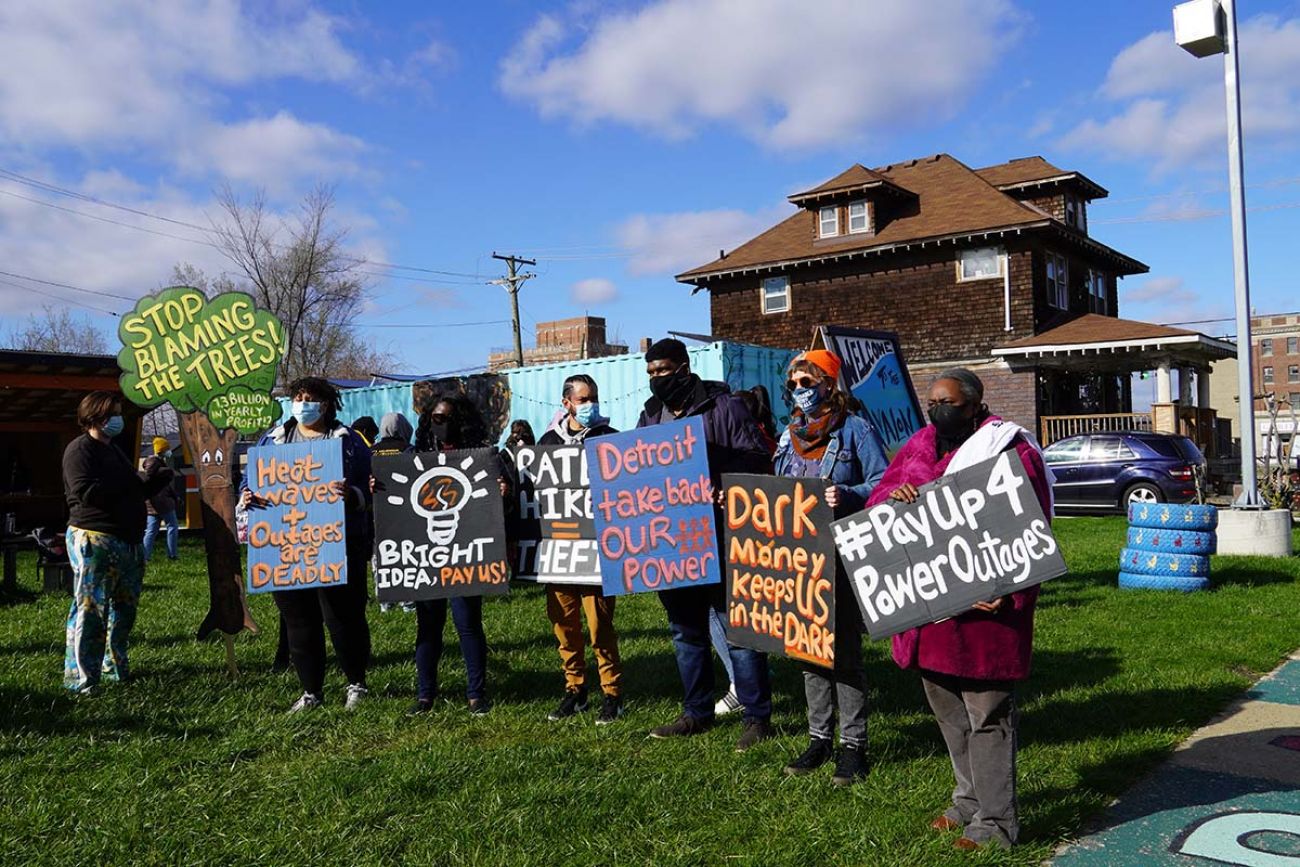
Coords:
512,281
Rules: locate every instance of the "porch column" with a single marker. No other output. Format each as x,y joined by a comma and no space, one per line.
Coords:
1185,386
1203,389
1164,393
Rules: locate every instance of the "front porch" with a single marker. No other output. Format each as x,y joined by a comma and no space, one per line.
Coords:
1090,359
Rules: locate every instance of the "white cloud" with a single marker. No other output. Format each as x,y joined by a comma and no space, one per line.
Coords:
672,243
272,152
593,290
90,73
1166,106
792,75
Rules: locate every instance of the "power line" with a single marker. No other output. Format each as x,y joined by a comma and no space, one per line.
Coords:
106,219
58,297
1196,215
68,286
430,324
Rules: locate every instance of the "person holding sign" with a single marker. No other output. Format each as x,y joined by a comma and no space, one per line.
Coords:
734,445
565,605
969,664
827,441
305,614
106,520
452,422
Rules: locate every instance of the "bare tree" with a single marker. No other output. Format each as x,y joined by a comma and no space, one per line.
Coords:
300,270
57,330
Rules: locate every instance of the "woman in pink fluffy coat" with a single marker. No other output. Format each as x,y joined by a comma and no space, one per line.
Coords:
970,663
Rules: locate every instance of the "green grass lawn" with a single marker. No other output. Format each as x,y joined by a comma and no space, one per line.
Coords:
184,766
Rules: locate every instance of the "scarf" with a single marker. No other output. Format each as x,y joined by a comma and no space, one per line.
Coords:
991,440
810,436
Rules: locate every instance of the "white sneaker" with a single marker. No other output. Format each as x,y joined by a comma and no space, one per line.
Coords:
306,702
356,692
728,704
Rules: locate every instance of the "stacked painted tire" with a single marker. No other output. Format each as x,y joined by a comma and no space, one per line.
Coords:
1169,547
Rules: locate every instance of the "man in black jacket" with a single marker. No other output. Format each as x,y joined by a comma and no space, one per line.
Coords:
735,445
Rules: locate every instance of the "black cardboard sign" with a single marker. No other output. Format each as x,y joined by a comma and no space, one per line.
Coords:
780,567
439,526
557,536
970,537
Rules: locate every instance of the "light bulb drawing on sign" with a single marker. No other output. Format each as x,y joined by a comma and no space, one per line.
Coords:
439,493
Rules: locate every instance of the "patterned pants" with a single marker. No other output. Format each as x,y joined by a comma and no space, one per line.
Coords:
106,591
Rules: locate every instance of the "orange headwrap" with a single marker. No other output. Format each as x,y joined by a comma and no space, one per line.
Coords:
827,362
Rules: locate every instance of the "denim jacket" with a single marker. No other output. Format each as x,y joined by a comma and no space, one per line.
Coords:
854,460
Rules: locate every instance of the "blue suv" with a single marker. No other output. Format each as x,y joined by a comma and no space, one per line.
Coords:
1105,471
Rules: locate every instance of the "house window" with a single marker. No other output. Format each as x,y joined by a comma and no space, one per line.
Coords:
1058,273
1268,376
982,264
1294,399
776,294
1075,216
829,222
859,219
1097,292
1293,373
1290,346
1266,346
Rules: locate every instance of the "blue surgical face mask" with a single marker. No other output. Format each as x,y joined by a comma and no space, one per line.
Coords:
113,426
307,412
586,413
808,399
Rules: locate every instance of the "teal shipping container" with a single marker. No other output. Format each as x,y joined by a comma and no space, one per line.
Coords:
535,391
373,400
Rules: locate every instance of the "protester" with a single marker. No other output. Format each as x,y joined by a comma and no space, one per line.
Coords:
394,435
305,614
825,440
452,422
759,403
366,427
161,507
735,445
521,434
106,521
566,604
969,664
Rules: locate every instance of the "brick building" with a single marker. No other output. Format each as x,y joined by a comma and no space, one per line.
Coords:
958,261
562,340
1275,340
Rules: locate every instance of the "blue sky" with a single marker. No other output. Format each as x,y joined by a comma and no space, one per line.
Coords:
618,143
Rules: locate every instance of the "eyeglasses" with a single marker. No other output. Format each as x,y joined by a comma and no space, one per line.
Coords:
801,382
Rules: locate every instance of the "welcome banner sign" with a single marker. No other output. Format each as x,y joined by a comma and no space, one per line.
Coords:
970,537
874,372
297,541
653,508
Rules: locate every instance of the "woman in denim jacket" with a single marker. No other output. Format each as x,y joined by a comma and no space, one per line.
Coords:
828,441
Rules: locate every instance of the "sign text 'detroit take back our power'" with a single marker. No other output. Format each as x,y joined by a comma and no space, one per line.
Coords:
653,508
969,537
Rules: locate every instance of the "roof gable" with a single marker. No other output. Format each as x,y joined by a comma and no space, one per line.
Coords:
856,178
1095,328
1029,171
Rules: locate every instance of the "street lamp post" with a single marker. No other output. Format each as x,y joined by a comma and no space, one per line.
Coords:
1205,28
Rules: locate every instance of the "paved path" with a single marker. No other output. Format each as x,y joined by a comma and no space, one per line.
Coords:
1229,795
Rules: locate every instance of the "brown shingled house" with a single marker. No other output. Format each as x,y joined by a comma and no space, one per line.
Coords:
959,261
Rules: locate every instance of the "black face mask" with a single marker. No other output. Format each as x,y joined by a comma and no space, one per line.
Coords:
951,422
673,389
439,435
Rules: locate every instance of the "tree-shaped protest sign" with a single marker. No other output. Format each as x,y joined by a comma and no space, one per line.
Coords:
215,361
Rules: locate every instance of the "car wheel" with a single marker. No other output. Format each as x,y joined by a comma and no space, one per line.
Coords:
1143,492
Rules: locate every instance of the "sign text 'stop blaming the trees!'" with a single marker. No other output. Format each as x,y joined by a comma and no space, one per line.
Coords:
181,348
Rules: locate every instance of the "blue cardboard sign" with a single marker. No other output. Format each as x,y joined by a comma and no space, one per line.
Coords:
874,372
297,541
653,507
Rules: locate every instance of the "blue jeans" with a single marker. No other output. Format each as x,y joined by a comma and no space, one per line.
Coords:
688,615
718,635
467,615
151,533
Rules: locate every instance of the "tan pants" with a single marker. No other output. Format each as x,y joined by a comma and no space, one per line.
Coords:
566,606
